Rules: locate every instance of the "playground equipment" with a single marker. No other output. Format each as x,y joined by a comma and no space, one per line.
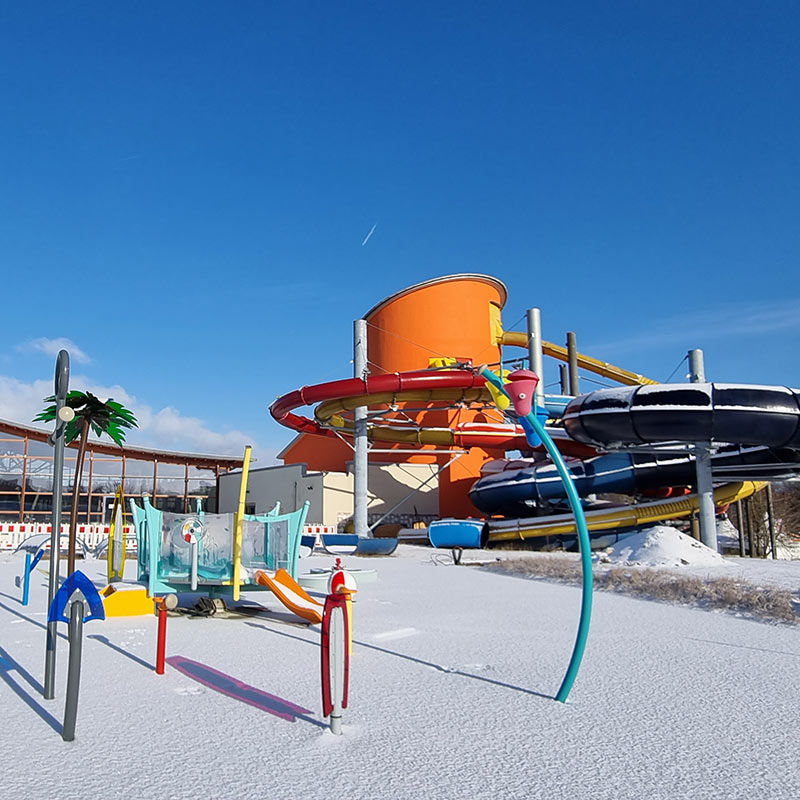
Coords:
343,581
520,390
167,542
163,604
126,600
335,657
76,590
30,566
116,539
458,533
291,594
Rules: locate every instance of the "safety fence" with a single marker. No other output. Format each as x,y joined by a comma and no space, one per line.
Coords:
12,534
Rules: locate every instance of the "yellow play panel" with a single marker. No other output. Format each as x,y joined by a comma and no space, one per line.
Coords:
126,600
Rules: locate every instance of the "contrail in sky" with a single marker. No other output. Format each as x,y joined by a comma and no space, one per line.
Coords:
371,231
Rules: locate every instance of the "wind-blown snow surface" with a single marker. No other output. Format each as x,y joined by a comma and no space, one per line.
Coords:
452,678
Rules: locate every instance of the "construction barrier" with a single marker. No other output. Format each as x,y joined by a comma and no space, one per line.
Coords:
12,534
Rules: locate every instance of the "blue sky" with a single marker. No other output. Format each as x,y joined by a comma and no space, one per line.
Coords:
186,188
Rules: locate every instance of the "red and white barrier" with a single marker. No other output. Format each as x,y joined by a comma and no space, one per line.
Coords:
315,530
12,534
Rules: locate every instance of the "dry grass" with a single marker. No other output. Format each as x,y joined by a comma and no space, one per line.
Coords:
768,603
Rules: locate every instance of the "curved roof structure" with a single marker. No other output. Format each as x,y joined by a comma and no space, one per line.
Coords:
140,453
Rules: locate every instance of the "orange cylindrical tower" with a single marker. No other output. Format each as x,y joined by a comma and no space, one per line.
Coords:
455,316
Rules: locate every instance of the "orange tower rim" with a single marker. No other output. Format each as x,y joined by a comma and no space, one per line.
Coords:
460,276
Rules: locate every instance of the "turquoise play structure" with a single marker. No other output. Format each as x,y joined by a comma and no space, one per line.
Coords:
194,552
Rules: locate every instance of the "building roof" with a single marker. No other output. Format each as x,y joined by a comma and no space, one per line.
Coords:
141,453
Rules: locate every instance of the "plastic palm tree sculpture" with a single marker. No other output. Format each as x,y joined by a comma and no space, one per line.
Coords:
91,414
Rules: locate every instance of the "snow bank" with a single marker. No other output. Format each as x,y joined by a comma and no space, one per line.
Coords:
662,546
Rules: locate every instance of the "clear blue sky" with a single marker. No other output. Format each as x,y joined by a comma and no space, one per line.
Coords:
180,177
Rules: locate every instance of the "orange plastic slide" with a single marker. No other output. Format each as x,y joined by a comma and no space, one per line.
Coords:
292,595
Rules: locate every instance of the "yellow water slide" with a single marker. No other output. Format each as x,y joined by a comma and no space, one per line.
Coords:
634,516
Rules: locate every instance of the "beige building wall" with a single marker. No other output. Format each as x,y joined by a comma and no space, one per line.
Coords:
331,493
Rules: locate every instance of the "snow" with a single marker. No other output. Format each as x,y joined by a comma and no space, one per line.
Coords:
453,674
662,545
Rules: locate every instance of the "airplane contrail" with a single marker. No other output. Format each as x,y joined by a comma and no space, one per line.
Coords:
371,231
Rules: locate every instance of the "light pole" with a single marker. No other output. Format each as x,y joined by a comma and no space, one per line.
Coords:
56,439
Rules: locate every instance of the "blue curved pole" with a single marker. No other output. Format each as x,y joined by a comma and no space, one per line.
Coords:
583,537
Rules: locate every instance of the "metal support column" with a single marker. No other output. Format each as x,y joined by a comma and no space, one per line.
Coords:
534,318
360,456
771,521
740,526
705,485
572,361
563,379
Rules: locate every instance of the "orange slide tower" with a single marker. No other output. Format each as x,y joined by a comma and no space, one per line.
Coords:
455,320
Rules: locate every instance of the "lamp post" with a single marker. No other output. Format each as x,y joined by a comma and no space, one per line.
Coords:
56,439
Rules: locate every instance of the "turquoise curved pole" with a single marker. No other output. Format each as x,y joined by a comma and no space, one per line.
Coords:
583,538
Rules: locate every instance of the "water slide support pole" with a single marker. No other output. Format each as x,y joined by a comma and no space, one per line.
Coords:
360,463
705,485
771,521
57,440
563,379
740,526
572,360
534,318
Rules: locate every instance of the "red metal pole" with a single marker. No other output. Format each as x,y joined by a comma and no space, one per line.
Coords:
162,638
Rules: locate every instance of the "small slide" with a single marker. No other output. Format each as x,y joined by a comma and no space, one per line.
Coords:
292,595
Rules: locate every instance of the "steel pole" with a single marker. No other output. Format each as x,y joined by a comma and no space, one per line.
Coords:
740,525
563,379
705,484
337,650
534,318
57,440
193,574
26,579
572,360
771,521
161,639
360,463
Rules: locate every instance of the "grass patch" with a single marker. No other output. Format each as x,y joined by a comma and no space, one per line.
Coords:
772,603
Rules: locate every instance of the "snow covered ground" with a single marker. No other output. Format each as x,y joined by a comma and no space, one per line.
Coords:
452,678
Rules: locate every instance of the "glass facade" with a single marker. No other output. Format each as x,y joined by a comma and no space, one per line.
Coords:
174,481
